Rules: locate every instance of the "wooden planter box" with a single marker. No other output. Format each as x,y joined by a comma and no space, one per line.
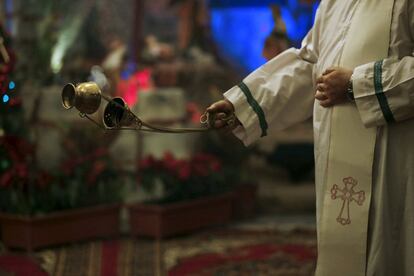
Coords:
62,227
160,221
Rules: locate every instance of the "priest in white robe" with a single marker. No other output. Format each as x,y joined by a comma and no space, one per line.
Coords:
355,75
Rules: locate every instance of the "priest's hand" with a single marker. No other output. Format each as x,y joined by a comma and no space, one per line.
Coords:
221,109
332,86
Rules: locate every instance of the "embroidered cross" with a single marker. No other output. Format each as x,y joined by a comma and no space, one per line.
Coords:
347,194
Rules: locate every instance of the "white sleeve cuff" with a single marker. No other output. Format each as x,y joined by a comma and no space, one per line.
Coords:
365,97
250,129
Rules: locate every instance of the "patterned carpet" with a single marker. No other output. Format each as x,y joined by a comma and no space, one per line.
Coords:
215,252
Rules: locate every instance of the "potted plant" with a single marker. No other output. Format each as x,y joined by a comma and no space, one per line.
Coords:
236,157
40,208
196,194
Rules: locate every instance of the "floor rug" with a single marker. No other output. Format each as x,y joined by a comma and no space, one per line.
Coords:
215,252
275,253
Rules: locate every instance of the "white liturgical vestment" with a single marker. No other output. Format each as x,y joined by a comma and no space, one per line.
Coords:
281,93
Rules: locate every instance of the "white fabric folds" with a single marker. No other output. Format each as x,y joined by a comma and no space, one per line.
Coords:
345,213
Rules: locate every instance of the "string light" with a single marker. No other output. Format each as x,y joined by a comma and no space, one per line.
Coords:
6,98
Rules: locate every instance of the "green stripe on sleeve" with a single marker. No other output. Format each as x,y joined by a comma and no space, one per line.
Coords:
256,107
382,99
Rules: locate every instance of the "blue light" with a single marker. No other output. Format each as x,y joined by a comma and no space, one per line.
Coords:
6,98
12,85
240,27
240,33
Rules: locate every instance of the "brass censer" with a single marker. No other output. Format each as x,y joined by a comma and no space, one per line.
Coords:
87,97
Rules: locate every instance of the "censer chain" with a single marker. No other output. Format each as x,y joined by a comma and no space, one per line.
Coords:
207,119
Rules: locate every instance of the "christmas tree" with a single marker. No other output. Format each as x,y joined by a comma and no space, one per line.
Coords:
11,114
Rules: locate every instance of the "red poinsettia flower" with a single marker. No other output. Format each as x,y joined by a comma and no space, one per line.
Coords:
210,162
97,169
15,102
216,166
184,170
170,163
179,171
18,172
6,179
147,162
69,166
200,168
17,148
21,170
43,179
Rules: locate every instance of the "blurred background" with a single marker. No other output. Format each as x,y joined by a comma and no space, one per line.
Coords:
169,60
